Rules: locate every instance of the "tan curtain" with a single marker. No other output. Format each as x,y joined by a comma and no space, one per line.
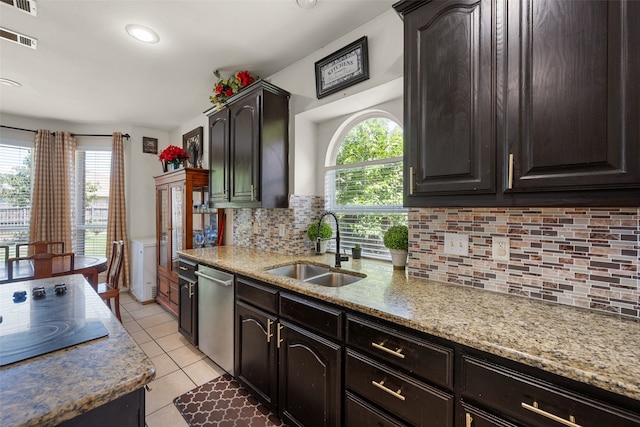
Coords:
117,219
53,166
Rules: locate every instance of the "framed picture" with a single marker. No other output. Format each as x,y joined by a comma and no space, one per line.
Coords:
149,145
192,144
341,69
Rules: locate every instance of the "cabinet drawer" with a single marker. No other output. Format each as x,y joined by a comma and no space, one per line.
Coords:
358,413
534,402
412,401
261,296
320,318
474,417
429,361
187,269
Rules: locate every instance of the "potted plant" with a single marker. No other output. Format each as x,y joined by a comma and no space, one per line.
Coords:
174,156
325,233
223,89
396,239
356,251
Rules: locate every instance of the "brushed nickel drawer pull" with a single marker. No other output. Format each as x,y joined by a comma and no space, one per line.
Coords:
571,422
468,419
411,180
510,183
280,327
269,333
190,290
397,353
381,386
183,268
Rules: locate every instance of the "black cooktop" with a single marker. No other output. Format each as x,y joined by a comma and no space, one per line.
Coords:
36,319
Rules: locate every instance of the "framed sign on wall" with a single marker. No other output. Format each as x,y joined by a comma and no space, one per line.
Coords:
192,144
341,69
149,145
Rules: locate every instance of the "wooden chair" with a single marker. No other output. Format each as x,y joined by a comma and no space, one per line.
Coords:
110,289
42,246
41,265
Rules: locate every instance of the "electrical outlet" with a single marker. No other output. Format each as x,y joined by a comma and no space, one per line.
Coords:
256,228
500,248
456,244
282,231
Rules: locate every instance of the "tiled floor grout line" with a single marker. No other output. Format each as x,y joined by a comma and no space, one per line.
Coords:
180,366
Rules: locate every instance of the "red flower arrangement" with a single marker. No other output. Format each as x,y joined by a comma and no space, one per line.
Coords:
173,154
224,89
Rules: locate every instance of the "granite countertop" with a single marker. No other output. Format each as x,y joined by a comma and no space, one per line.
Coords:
595,348
52,388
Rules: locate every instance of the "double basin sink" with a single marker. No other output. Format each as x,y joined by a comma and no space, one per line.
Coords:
316,274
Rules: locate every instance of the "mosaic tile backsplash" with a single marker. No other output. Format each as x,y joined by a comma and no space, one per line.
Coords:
586,257
260,228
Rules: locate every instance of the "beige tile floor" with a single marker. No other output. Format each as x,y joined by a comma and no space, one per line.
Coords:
180,367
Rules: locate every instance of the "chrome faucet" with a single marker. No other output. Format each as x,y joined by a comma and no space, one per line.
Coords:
339,258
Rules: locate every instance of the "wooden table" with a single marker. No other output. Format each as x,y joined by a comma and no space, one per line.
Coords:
89,266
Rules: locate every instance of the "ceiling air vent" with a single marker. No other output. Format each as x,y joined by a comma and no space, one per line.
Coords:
27,6
18,38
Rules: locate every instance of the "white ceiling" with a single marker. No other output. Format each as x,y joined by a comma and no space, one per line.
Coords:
86,68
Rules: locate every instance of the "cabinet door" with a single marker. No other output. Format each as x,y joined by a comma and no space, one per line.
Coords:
187,312
176,242
245,149
573,95
219,156
163,224
256,364
310,378
449,136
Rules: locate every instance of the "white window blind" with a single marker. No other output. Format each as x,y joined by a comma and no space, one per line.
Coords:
366,191
93,172
15,196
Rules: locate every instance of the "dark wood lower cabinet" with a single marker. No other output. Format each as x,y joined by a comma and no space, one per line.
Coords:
256,362
310,378
125,411
474,417
358,413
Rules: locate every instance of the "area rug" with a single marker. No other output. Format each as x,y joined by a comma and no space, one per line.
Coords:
223,402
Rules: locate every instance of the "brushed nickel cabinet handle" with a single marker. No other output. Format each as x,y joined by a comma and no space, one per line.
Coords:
183,268
397,353
252,193
269,333
280,327
395,394
411,180
190,290
571,422
510,183
468,420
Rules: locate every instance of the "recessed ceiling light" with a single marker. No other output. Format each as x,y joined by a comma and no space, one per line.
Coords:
143,34
307,4
8,82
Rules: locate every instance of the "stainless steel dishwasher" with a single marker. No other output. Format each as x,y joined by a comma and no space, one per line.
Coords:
215,315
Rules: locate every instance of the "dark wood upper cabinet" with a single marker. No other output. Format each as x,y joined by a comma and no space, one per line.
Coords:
448,88
573,72
249,140
522,103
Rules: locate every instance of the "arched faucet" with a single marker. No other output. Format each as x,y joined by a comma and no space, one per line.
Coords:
339,258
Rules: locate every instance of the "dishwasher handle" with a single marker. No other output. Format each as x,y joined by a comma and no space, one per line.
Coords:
213,279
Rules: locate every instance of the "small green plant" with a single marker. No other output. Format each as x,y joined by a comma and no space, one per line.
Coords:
325,231
357,246
397,237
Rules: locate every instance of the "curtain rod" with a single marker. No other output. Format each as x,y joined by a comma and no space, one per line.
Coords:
126,135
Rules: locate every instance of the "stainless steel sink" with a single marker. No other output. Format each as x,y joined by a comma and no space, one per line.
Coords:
316,274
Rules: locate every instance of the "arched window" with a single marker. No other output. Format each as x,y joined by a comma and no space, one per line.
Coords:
363,181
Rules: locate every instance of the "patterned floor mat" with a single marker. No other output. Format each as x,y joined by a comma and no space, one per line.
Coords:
223,402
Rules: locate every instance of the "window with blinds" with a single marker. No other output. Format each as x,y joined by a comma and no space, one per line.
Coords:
15,196
93,173
364,185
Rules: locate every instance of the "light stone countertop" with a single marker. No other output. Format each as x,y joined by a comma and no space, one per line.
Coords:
49,389
595,348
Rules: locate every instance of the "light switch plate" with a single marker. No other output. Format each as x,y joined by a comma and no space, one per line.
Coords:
500,248
282,230
456,244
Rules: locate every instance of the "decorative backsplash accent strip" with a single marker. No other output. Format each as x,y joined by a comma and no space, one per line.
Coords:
296,219
586,257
